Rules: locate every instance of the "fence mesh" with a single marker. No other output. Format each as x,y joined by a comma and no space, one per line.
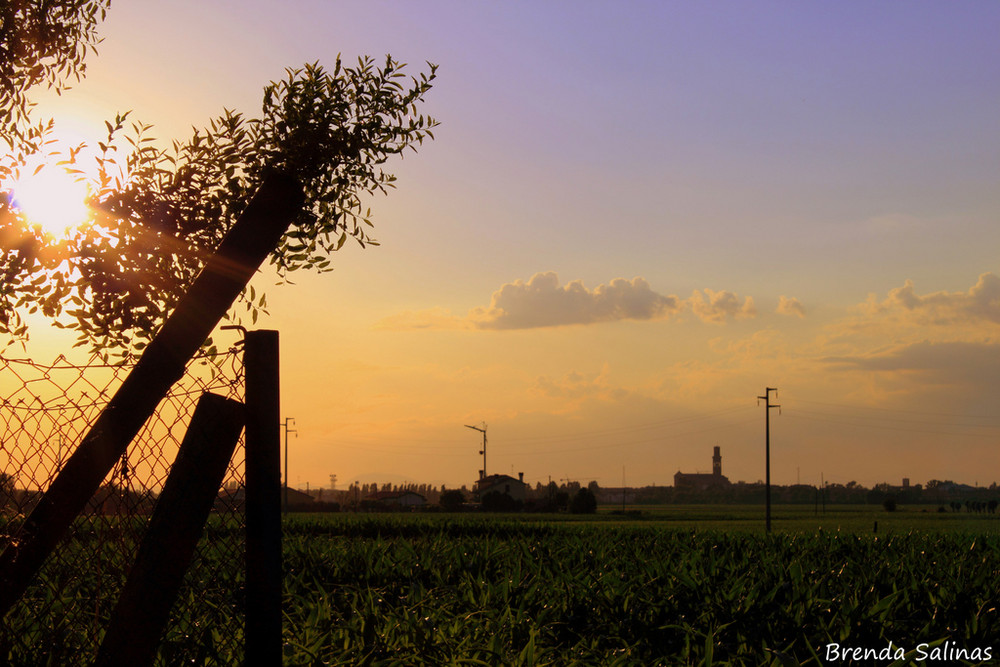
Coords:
45,410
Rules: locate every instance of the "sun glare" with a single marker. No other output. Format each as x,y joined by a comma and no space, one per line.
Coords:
52,199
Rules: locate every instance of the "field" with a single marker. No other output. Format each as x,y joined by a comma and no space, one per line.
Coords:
671,586
804,518
668,586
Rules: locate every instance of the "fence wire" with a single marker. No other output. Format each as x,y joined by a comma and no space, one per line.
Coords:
45,411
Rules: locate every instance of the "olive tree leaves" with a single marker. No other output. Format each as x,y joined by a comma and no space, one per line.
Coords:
41,43
334,132
158,212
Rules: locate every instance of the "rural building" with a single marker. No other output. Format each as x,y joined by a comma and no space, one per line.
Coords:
503,484
703,481
396,499
296,498
231,498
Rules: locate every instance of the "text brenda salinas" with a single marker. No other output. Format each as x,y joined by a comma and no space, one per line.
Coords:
946,652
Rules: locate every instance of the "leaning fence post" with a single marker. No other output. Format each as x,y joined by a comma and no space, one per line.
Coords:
248,243
174,529
263,498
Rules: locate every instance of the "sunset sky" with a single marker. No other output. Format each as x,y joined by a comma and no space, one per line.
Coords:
634,218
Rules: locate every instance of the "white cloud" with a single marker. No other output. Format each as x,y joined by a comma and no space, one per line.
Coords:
981,302
542,302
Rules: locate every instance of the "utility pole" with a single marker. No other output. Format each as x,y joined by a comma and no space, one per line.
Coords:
284,502
623,490
483,452
767,449
822,484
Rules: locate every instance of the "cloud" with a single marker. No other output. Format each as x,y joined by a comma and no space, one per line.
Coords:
790,306
576,385
430,319
719,306
542,302
981,302
947,363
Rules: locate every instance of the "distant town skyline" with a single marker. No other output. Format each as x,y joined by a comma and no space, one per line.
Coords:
632,220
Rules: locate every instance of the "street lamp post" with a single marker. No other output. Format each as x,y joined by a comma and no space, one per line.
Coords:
288,420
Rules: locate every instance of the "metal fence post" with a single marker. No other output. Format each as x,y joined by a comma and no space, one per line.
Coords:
263,498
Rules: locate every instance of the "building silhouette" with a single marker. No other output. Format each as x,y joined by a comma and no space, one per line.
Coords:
505,485
703,481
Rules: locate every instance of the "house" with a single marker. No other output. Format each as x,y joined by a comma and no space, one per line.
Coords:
231,498
396,499
504,485
295,498
703,481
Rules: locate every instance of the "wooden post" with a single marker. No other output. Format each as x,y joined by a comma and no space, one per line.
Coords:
174,529
248,243
263,498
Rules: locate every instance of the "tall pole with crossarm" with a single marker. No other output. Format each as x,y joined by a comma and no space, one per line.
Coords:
767,449
285,424
483,431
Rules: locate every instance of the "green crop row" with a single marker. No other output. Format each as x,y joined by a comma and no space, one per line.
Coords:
471,590
393,590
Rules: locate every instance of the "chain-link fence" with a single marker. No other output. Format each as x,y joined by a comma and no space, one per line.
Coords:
45,411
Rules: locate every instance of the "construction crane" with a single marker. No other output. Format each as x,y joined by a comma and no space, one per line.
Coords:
567,481
483,450
574,480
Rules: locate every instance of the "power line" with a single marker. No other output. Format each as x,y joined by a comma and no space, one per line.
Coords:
458,450
923,413
660,440
846,421
628,429
447,445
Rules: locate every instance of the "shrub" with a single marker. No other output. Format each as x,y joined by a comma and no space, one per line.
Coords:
495,501
451,500
583,502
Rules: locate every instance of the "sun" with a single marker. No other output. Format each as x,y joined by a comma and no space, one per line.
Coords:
51,198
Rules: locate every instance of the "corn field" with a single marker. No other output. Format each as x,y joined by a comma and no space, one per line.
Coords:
453,590
398,590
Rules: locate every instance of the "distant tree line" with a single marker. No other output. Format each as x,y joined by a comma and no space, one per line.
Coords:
358,492
747,493
559,497
577,498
